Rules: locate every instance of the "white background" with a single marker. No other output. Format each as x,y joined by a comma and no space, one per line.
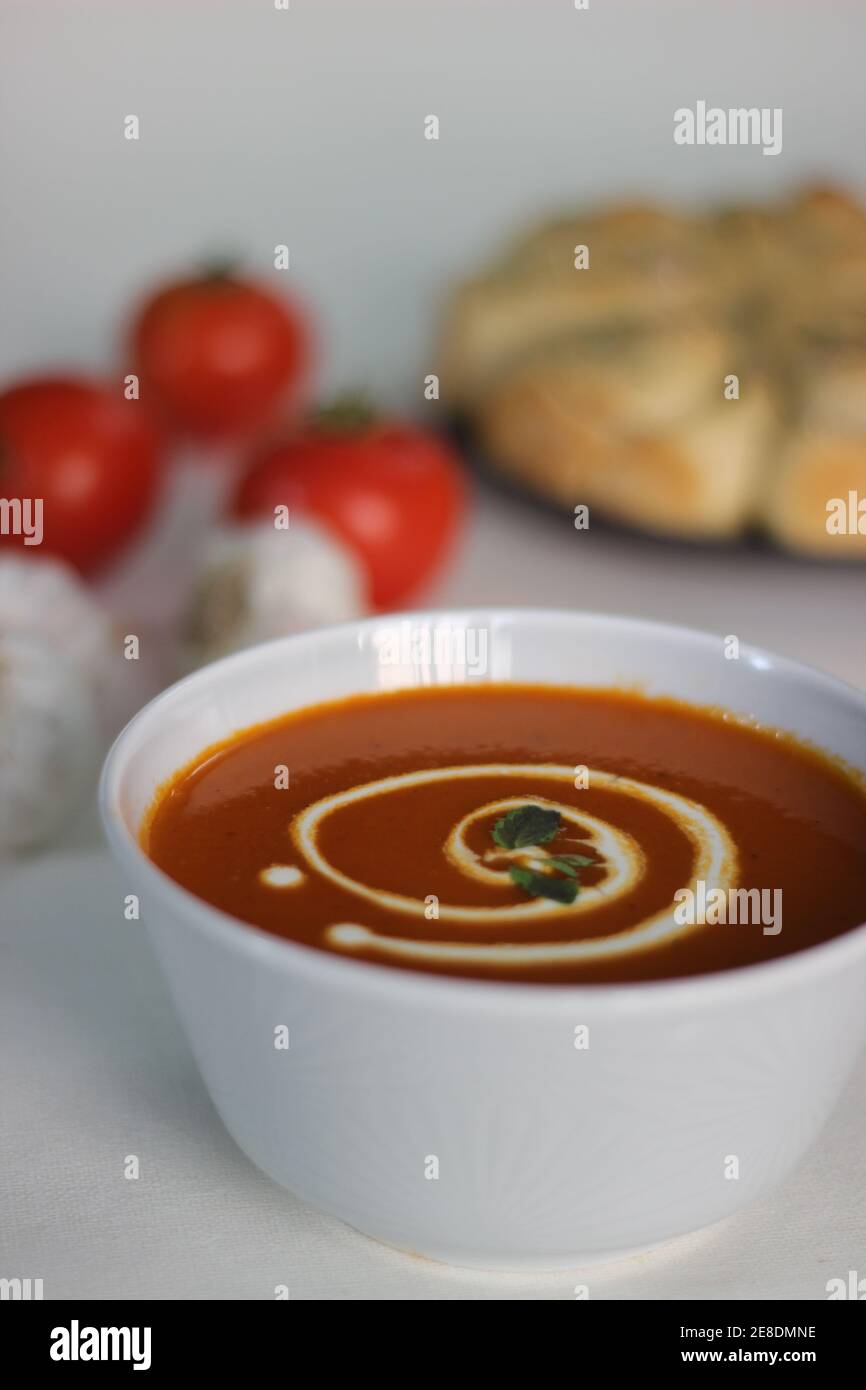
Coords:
261,127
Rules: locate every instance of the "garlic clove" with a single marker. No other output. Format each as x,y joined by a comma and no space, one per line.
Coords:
46,597
257,582
48,739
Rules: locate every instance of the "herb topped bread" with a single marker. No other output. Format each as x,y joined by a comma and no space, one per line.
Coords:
692,375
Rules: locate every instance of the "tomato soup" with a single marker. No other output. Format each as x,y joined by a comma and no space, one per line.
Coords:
521,833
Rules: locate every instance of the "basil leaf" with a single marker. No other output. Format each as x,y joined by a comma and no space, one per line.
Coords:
579,861
526,825
561,890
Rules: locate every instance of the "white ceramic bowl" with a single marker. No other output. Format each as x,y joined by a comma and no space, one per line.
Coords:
548,1156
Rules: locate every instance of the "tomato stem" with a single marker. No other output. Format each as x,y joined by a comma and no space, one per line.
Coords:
349,413
219,269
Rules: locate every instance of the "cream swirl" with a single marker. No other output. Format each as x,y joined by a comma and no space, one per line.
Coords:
623,862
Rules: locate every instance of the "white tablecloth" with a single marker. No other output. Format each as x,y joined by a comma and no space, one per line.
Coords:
94,1067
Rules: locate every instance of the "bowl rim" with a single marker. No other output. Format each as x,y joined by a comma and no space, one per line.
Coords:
361,977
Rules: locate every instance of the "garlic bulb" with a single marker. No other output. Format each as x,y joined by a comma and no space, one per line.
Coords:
257,583
59,663
48,738
46,597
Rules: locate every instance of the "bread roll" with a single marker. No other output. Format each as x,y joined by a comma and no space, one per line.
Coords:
815,501
605,385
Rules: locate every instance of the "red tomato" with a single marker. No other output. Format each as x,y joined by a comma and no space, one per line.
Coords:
219,356
92,457
392,493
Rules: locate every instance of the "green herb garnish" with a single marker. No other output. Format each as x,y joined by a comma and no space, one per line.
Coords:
526,825
570,863
561,890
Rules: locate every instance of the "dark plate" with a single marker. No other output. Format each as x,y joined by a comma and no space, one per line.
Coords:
751,542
